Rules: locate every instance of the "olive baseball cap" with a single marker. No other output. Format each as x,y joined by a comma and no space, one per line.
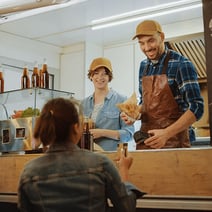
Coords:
148,27
100,62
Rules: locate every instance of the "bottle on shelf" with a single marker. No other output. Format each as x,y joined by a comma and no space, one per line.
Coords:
41,78
25,80
1,82
44,76
35,78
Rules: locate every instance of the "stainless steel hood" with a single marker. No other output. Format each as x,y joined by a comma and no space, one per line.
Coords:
194,50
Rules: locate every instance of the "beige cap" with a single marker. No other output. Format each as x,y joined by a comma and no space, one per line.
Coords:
101,62
148,27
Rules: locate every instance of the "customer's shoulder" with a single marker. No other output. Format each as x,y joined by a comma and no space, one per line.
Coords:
33,166
36,161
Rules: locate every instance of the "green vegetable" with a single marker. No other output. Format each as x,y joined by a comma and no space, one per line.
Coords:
29,112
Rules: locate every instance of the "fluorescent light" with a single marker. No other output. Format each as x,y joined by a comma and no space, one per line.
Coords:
147,13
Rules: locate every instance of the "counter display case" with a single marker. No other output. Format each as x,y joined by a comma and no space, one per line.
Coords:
18,112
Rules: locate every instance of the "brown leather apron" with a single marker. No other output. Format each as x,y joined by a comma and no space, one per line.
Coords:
159,108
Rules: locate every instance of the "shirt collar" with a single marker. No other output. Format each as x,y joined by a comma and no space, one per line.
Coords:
109,95
62,147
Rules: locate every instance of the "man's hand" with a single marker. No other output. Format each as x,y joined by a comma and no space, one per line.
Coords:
157,139
128,120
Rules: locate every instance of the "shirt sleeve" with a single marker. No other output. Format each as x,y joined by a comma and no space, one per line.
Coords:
126,132
189,88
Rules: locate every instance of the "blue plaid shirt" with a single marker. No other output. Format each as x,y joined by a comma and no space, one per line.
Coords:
182,79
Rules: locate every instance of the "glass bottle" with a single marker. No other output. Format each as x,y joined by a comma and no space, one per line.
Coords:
86,141
25,80
44,75
1,82
35,79
41,78
122,148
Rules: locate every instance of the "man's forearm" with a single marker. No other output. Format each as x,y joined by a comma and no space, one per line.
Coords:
186,120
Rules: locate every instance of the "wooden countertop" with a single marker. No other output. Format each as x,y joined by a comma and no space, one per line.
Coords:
184,172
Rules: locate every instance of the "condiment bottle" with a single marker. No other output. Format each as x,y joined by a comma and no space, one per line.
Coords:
41,78
44,77
122,148
35,79
1,82
86,141
25,80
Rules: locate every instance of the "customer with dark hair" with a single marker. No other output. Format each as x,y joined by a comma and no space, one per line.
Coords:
67,178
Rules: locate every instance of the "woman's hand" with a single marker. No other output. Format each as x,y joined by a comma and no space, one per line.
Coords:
124,163
97,133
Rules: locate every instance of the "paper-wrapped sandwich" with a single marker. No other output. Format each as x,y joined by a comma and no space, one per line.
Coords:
130,107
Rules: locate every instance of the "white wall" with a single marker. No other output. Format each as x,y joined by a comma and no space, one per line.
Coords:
17,51
138,57
91,51
184,28
122,59
72,77
27,50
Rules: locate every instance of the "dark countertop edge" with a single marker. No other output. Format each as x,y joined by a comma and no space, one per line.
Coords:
151,201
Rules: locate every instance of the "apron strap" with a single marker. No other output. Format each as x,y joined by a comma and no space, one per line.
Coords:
146,70
165,63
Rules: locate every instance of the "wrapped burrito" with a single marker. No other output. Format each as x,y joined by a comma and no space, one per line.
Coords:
130,107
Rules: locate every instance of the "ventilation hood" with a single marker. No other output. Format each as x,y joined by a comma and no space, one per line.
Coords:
194,50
